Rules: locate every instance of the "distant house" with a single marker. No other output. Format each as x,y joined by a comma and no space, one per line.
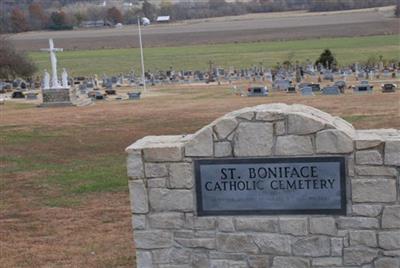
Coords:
163,19
92,23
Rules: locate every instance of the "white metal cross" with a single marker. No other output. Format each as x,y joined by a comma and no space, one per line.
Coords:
53,59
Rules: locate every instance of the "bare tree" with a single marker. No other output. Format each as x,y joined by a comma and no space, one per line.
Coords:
114,15
37,16
18,20
14,64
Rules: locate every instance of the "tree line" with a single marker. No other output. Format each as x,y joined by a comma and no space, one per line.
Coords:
66,14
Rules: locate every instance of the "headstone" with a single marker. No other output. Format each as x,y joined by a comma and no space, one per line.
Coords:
56,97
291,89
363,87
18,95
331,90
2,88
386,73
307,91
281,84
83,89
90,84
96,95
23,85
257,91
109,84
388,88
111,91
134,95
15,83
341,85
31,95
120,81
328,76
114,79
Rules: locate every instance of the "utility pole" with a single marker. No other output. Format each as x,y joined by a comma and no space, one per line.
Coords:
141,56
210,71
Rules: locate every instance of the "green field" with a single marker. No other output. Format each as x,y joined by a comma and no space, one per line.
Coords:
114,61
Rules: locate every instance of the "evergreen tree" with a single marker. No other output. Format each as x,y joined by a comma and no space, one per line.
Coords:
326,59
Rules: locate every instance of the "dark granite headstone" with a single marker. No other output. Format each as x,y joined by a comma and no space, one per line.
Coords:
134,95
17,95
388,88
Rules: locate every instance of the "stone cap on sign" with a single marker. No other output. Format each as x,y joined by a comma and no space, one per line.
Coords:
156,142
159,148
263,130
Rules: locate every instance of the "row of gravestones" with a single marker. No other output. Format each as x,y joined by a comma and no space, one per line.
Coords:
255,73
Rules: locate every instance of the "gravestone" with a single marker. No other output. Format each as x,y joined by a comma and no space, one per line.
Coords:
83,88
331,90
341,85
388,88
17,95
257,91
363,88
56,97
134,95
111,91
291,89
96,95
315,87
108,84
281,84
307,91
114,79
268,186
31,95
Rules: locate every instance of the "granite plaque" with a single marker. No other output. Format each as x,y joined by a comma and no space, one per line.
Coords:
310,185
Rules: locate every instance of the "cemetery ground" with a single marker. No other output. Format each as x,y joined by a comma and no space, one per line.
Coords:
64,195
347,50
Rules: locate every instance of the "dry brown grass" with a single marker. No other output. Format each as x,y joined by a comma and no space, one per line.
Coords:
96,232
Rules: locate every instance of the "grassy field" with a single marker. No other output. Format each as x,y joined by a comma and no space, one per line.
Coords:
64,195
114,61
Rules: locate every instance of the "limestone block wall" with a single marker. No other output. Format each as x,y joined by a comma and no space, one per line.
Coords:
169,234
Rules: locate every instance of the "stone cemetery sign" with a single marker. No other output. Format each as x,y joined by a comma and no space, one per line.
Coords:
269,186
